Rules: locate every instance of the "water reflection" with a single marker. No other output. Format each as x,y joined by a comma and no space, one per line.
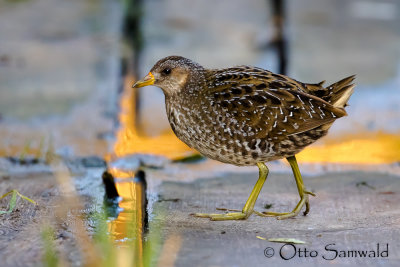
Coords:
127,230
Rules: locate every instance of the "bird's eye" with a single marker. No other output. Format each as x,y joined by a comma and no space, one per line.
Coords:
166,71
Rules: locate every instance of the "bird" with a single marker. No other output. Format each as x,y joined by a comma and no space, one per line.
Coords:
247,116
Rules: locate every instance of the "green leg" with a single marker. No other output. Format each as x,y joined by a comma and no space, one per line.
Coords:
303,193
248,207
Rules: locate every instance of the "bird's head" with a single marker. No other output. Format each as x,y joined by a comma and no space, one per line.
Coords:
172,74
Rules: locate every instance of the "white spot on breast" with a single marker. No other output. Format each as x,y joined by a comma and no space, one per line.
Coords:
238,143
246,146
228,130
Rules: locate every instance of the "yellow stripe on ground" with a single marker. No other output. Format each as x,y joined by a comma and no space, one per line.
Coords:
367,148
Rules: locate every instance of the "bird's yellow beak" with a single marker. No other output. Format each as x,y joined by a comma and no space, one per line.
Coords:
148,80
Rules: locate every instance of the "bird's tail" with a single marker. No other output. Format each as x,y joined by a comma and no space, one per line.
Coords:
336,94
340,92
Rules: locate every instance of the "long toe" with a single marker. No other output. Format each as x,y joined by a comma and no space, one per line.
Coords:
223,217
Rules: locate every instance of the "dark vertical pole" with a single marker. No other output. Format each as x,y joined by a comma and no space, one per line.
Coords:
133,39
132,32
280,42
140,179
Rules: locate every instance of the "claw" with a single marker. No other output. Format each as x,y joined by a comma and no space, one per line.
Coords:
286,215
309,193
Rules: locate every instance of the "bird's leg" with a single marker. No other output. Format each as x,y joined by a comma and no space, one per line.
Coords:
303,193
251,201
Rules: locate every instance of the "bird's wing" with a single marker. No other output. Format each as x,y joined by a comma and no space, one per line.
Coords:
267,102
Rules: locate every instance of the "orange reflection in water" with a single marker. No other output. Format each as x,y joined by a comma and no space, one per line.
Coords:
127,229
132,204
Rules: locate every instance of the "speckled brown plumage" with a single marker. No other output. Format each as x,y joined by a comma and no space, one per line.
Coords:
245,115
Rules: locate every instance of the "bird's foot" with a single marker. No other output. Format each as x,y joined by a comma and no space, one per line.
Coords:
286,215
237,215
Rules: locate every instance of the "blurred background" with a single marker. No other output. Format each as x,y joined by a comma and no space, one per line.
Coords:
61,70
67,67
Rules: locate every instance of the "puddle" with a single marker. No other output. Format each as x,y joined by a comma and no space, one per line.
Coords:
128,229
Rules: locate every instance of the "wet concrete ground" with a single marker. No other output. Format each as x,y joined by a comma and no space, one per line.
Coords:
344,213
59,84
